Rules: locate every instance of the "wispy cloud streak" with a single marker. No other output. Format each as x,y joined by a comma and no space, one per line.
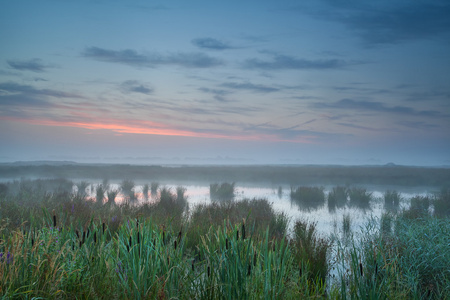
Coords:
211,44
33,65
133,58
286,62
371,106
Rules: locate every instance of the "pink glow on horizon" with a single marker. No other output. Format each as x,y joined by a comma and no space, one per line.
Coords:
121,126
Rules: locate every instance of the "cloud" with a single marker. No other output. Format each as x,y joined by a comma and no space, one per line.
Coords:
211,43
286,62
388,22
370,106
418,125
132,58
361,127
134,86
219,94
34,65
250,86
293,133
15,88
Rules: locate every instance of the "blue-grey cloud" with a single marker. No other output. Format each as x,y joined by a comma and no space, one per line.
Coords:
135,59
286,62
34,65
219,94
352,125
419,125
22,100
211,43
388,22
372,106
15,88
294,132
250,86
134,86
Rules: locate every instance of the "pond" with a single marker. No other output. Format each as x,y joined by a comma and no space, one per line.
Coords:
328,220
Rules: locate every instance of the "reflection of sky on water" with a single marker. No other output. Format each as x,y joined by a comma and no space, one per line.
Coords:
327,222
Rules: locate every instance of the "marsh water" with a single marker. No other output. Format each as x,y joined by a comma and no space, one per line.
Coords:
328,221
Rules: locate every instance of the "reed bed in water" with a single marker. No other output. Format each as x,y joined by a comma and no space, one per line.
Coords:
59,245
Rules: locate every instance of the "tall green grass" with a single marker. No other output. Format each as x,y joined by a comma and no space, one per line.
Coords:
62,245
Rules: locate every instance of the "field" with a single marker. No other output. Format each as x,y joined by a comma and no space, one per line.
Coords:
57,243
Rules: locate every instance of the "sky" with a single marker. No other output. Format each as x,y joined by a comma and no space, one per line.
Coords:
348,82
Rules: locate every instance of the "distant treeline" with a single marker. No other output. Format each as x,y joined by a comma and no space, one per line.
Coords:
294,175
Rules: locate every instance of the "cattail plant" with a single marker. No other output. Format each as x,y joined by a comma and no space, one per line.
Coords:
54,219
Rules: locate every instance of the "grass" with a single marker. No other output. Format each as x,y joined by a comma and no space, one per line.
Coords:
391,200
221,192
346,224
337,198
310,251
360,198
63,245
308,198
441,203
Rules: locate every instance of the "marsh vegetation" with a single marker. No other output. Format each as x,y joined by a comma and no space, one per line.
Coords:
61,239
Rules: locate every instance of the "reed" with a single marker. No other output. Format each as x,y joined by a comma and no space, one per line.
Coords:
221,192
100,194
154,188
391,200
337,198
441,203
145,190
346,224
360,198
65,246
308,198
309,248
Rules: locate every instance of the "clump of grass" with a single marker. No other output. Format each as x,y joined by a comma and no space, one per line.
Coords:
154,188
311,249
111,195
442,203
82,186
171,202
221,192
423,253
308,197
411,263
419,207
360,198
391,200
127,189
100,194
280,192
337,198
346,224
257,213
181,193
386,223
